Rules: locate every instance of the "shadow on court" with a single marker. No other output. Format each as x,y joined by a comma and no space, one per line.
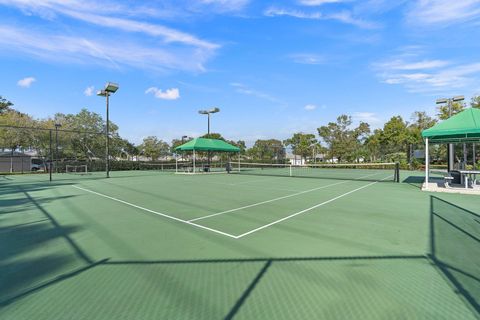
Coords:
415,181
455,247
23,261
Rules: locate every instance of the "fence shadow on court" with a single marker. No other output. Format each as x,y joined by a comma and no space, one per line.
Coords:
20,265
263,266
455,247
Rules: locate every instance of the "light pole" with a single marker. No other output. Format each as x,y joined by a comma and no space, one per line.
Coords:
57,125
208,113
450,149
110,88
183,141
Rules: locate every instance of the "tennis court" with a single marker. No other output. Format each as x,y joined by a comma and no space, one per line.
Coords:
258,245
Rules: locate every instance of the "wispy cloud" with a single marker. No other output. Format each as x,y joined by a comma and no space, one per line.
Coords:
438,12
274,12
89,91
169,94
243,89
319,2
26,82
307,58
368,117
400,64
310,107
226,5
104,52
342,16
160,47
427,75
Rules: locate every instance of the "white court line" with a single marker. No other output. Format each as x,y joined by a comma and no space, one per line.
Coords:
157,213
276,199
308,209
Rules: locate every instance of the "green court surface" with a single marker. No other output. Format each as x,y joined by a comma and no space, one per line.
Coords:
158,245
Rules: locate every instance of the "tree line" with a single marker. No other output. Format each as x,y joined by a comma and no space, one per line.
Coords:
81,136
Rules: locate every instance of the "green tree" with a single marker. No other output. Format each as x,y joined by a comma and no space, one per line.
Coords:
178,142
302,144
475,102
420,121
217,136
4,105
344,142
154,148
14,139
373,145
395,136
445,112
88,140
267,150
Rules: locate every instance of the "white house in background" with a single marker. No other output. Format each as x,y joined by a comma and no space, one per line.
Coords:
295,160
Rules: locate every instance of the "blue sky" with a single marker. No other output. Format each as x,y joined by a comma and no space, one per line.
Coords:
272,67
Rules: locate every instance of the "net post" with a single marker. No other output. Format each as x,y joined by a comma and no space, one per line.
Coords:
290,168
397,172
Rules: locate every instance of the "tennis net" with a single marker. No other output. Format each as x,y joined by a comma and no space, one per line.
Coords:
340,171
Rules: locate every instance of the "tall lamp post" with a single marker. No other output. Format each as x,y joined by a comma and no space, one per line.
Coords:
109,89
208,113
57,125
183,141
451,149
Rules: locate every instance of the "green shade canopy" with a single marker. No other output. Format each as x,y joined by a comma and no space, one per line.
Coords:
203,144
462,127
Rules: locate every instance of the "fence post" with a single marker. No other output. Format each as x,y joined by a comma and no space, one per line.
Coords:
51,157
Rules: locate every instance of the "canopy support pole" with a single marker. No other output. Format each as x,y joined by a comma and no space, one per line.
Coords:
427,161
238,161
474,157
176,163
194,161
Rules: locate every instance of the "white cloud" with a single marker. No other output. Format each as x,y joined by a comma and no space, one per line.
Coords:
226,5
368,117
399,64
427,75
111,53
241,88
88,91
307,58
162,48
26,82
169,94
310,107
438,12
318,2
273,12
342,16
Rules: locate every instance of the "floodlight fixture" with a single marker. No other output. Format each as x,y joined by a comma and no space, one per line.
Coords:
214,110
441,101
203,112
111,87
102,93
458,98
